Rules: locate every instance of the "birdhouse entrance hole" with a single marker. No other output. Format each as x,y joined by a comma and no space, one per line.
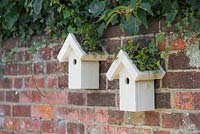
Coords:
127,81
74,61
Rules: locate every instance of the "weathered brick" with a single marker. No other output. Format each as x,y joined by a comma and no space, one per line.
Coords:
38,68
63,82
115,117
30,124
12,123
152,118
12,96
101,99
24,69
73,128
181,80
113,84
18,83
48,126
55,97
21,110
30,96
57,67
77,98
194,120
101,116
162,100
10,69
172,120
6,83
52,82
161,132
109,130
178,44
102,82
67,113
5,110
6,132
105,65
187,100
43,111
179,61
45,53
19,57
1,95
134,118
33,82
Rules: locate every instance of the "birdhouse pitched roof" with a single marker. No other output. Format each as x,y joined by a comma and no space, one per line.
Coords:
71,44
123,61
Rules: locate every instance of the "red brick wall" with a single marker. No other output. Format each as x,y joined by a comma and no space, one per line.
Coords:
34,97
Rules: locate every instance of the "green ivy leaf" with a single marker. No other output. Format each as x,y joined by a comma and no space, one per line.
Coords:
133,3
97,7
10,20
37,6
66,14
146,7
143,17
130,25
170,17
160,37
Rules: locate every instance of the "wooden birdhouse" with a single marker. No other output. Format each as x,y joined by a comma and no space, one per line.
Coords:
83,68
136,87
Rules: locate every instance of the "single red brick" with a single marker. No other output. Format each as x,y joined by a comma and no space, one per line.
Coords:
30,96
18,83
101,99
173,120
52,82
33,82
113,84
181,80
73,128
43,111
179,61
24,69
5,110
10,69
113,46
1,95
162,100
187,100
63,81
115,117
45,53
6,83
12,96
101,116
109,130
38,68
178,44
55,97
30,124
48,126
56,67
6,132
152,118
67,113
105,65
12,123
77,98
102,81
161,132
21,110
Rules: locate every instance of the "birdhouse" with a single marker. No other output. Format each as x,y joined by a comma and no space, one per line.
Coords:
136,87
83,68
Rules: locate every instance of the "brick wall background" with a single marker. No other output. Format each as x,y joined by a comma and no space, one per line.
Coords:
34,97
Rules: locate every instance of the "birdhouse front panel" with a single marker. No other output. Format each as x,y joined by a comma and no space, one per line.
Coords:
74,71
127,92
